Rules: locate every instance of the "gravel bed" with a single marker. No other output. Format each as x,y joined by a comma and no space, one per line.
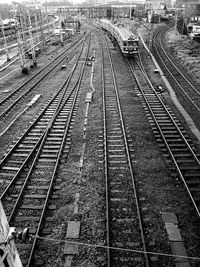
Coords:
15,79
156,81
47,90
152,174
176,198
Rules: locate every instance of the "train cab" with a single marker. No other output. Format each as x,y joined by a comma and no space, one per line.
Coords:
126,39
130,46
194,31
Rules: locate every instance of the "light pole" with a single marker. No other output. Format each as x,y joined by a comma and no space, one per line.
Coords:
183,6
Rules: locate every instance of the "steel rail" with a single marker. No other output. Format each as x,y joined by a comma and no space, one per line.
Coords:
168,113
77,86
3,161
59,108
129,164
105,147
105,157
41,143
175,67
38,72
65,83
161,132
32,86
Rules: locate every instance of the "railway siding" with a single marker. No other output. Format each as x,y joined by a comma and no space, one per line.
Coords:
169,132
174,98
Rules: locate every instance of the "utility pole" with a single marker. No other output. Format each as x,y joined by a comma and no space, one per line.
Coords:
31,40
42,28
19,40
36,25
4,39
151,30
47,20
61,29
22,26
175,25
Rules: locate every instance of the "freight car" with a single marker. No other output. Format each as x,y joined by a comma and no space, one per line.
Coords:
127,40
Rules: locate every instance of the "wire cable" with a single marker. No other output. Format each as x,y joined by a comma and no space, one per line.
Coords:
118,249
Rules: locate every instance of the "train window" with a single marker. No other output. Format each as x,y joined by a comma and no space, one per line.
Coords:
132,43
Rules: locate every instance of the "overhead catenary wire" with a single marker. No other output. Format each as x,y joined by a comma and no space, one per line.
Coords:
116,248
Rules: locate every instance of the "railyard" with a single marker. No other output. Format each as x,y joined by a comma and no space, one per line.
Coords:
87,167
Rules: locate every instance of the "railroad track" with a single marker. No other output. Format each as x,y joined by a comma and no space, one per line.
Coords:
28,171
171,136
10,104
184,83
51,40
124,224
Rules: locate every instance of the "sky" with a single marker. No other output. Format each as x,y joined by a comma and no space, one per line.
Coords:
10,1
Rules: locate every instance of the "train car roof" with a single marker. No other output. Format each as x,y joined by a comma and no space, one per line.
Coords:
125,32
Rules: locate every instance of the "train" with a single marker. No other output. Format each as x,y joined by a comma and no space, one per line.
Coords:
193,28
194,31
126,39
